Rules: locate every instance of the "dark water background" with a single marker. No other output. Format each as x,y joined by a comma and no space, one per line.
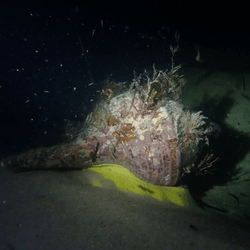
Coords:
46,72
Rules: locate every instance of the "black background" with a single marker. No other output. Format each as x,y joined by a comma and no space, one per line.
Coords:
44,74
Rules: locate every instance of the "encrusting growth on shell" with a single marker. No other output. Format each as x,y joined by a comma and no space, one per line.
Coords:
142,127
